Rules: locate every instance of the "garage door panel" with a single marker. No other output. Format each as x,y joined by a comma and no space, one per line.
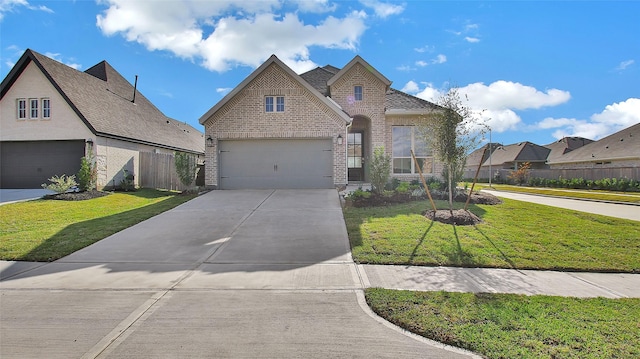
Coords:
28,164
276,164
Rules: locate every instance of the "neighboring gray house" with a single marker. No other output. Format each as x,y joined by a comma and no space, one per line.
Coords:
277,129
52,115
513,156
565,145
619,150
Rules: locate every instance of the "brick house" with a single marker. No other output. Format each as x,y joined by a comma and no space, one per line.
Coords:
277,129
52,115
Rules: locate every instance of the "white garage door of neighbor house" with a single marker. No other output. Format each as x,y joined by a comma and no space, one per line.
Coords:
276,164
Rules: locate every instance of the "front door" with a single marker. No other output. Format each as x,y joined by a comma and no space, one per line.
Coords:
355,156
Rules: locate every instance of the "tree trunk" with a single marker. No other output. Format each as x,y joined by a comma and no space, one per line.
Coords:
450,181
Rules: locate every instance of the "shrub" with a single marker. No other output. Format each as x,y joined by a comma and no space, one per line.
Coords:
61,184
186,167
380,169
88,174
126,183
403,187
521,175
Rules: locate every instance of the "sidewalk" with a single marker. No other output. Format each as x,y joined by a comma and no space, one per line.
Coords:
477,280
625,211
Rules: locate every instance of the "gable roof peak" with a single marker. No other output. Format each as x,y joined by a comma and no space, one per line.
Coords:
98,70
359,60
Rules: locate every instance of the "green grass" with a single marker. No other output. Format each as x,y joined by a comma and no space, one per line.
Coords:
45,230
514,234
630,197
516,326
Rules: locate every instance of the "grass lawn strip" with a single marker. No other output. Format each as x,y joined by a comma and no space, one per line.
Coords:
516,326
630,197
46,230
514,235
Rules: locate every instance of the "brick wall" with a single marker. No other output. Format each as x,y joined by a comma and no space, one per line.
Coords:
305,116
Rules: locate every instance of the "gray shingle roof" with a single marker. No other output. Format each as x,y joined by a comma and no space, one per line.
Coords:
624,144
102,98
520,152
395,99
565,145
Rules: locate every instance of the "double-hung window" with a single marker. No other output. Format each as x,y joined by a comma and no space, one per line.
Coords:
21,106
33,108
357,93
46,108
269,104
405,139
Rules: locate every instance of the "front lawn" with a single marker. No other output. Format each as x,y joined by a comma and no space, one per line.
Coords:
514,234
46,230
516,326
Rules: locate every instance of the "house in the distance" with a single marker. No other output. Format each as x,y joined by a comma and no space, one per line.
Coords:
515,155
277,129
565,145
618,150
52,115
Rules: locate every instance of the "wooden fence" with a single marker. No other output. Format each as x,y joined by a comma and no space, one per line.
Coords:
158,170
585,173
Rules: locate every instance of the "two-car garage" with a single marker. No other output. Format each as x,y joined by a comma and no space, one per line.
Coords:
28,164
275,163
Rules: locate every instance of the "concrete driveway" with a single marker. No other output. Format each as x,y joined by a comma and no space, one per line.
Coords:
258,274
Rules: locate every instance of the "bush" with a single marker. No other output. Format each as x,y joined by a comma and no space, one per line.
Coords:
61,184
87,175
380,169
403,187
186,167
127,181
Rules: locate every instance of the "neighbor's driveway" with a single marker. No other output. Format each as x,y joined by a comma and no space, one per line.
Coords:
228,274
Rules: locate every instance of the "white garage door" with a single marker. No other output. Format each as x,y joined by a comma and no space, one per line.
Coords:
277,164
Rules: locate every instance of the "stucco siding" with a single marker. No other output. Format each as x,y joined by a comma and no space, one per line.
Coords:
63,124
244,117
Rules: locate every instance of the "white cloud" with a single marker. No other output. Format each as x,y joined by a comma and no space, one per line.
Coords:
421,63
224,34
405,68
223,90
624,64
381,9
440,59
11,5
612,119
58,57
472,40
496,103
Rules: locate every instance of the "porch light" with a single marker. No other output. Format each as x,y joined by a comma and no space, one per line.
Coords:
339,139
209,141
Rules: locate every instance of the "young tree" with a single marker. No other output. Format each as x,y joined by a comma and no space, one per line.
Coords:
452,132
380,169
186,167
87,175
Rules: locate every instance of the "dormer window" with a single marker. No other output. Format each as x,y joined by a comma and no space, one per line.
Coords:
269,104
357,93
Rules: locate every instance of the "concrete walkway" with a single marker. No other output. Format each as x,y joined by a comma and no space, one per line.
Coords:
239,274
19,195
625,211
259,274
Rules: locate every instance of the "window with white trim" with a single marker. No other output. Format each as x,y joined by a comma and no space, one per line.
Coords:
21,107
405,139
269,104
46,108
357,93
33,108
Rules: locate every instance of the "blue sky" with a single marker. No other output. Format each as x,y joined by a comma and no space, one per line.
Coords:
538,70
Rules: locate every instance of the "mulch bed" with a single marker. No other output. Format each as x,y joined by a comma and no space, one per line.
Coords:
76,196
458,217
381,200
